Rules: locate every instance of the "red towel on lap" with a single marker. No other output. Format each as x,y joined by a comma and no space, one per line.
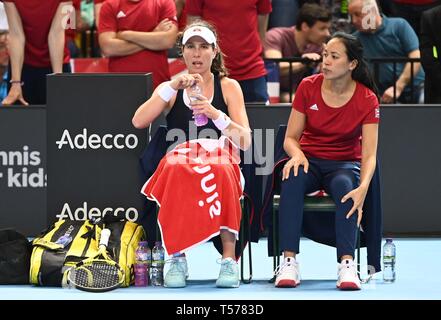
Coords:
197,186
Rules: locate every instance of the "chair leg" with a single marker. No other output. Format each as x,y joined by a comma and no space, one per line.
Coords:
358,251
245,231
276,256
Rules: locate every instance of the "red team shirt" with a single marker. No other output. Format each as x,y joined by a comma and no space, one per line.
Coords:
36,17
142,16
334,133
236,25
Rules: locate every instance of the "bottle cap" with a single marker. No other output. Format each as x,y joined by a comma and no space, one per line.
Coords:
388,239
158,243
143,243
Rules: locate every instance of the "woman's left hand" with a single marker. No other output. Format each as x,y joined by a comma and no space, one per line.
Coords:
203,106
357,195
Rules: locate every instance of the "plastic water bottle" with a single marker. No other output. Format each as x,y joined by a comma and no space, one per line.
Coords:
158,256
143,257
199,119
389,261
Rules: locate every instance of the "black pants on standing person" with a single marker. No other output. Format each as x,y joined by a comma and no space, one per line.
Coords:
34,82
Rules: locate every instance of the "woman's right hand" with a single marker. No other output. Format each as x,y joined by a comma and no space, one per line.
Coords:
15,94
185,81
297,160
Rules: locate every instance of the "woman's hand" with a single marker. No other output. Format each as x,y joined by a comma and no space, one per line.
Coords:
185,81
388,95
201,105
297,160
357,195
15,94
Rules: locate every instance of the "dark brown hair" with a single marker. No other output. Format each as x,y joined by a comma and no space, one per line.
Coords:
217,66
310,13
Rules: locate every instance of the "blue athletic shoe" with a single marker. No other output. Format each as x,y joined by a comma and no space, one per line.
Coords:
177,274
229,274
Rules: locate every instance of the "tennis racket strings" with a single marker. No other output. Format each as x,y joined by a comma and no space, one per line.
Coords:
99,273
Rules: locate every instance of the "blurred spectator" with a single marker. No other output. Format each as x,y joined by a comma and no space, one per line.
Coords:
135,35
98,5
284,13
411,10
339,12
71,33
4,57
431,53
241,26
384,37
3,19
88,12
36,46
181,13
305,40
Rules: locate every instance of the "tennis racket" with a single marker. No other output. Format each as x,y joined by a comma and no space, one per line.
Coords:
99,273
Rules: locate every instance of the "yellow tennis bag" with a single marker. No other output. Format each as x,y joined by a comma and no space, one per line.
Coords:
67,242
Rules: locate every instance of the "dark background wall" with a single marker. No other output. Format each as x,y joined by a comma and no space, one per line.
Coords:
409,154
23,202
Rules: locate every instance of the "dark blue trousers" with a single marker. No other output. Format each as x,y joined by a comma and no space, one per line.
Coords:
337,178
254,90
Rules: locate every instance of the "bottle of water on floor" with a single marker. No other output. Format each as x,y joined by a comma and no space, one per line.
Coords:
389,252
158,256
143,257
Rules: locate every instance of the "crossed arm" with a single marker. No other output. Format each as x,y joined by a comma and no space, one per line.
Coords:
128,42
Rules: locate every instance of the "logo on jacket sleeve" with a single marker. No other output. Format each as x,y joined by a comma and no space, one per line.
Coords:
377,112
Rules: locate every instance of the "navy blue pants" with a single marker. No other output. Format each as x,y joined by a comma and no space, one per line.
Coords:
337,178
254,90
34,88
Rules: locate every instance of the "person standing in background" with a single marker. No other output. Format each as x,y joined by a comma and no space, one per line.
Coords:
36,46
181,13
241,26
98,5
135,35
4,56
71,33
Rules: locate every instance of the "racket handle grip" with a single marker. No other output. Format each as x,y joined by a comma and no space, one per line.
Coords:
104,239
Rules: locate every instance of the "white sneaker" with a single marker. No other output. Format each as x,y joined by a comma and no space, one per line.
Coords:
287,274
347,276
177,274
229,274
